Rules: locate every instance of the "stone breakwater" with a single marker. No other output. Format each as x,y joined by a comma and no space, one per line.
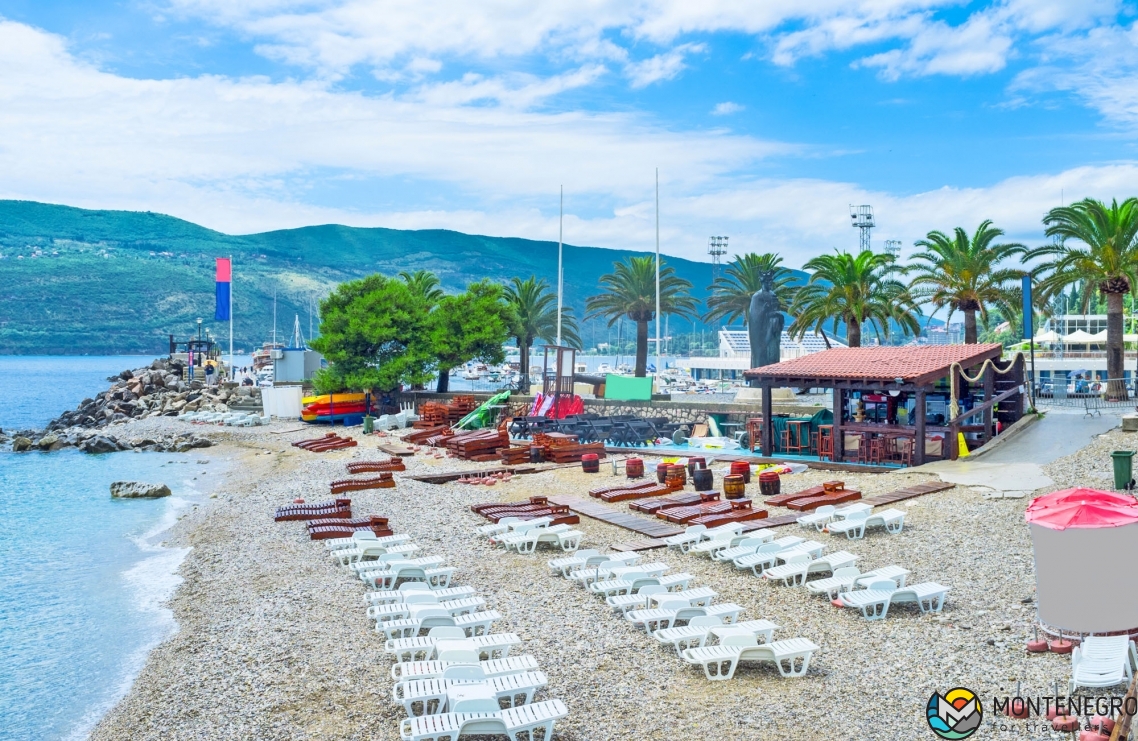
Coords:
152,391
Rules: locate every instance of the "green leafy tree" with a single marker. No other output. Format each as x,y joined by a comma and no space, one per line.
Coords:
468,326
1102,253
853,289
630,291
368,331
533,317
965,274
731,293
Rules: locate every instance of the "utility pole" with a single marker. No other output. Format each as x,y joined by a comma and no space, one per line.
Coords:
657,270
560,270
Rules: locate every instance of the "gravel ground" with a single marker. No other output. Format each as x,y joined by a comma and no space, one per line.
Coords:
274,644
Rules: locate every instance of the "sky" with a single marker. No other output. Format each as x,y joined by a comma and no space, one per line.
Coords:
766,120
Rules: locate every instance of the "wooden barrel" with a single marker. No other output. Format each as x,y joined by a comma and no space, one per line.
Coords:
634,468
769,483
662,472
703,479
590,463
734,487
676,475
742,468
695,463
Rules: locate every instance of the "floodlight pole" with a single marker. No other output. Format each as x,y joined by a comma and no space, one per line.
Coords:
658,371
560,271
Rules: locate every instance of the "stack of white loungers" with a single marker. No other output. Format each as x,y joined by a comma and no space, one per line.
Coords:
452,674
231,419
524,536
687,619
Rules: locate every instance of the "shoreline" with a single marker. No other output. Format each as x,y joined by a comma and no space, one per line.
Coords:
273,642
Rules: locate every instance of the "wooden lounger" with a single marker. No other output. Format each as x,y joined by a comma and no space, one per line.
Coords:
479,508
339,508
741,511
394,464
678,500
654,490
383,481
370,520
686,514
814,491
622,487
324,532
837,497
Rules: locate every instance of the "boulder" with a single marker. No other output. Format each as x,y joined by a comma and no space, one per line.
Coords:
139,490
48,441
21,444
201,442
98,444
126,375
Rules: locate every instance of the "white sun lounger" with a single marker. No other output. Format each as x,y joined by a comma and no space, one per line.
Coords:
701,629
875,601
435,578
745,545
720,542
429,696
401,610
671,612
391,596
799,566
506,524
792,656
477,718
559,536
854,526
363,555
520,526
365,536
580,559
614,569
893,572
644,598
474,624
570,565
406,670
422,648
612,587
770,554
689,537
1102,661
842,580
383,563
818,518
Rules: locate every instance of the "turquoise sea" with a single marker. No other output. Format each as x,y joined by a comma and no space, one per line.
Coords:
82,576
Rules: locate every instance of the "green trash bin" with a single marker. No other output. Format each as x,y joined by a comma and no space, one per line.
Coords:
1123,468
369,426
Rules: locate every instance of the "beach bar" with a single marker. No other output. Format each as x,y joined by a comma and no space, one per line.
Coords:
900,405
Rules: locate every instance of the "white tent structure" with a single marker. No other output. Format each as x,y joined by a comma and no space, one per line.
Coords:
1086,545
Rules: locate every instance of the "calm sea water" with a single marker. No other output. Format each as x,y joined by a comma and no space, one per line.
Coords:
82,576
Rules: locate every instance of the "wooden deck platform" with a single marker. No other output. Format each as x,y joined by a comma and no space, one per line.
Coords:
653,528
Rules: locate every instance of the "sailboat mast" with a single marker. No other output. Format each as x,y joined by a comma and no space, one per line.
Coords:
560,270
657,271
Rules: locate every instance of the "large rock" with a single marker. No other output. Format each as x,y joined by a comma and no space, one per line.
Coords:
21,444
98,444
49,442
139,490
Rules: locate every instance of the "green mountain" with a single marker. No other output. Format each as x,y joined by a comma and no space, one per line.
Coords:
74,281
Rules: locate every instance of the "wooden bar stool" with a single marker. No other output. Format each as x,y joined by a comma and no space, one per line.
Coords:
826,442
876,448
904,449
755,432
796,441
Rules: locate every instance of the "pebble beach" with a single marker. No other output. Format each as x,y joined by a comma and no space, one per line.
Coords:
273,641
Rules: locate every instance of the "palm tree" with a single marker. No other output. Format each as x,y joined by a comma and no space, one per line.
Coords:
534,317
425,284
964,274
731,293
853,289
1105,255
630,291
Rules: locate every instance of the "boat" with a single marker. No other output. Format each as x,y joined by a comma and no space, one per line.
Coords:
604,369
332,407
263,357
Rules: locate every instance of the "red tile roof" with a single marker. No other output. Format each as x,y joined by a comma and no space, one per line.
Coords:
879,363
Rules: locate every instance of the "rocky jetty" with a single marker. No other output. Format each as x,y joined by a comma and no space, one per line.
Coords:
151,391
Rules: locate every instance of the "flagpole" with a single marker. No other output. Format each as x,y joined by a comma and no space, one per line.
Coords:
232,370
560,272
658,272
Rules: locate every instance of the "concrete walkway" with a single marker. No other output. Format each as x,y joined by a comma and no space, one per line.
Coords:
1015,468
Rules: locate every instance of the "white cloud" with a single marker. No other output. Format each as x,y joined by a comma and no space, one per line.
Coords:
249,154
726,108
660,67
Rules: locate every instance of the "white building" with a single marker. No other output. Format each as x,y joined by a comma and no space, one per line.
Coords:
735,354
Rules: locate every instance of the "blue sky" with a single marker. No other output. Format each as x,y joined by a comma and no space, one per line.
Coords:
766,119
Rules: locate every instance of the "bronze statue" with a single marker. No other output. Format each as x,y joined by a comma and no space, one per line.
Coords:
764,324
